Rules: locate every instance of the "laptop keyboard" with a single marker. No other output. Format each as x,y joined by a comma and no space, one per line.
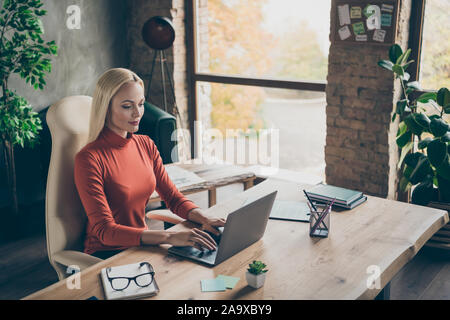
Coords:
205,254
216,238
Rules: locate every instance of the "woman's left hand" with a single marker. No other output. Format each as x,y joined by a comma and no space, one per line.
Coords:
209,224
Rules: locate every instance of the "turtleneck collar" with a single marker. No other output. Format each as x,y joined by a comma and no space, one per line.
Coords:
114,139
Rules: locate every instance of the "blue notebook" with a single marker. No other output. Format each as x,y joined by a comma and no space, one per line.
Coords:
325,192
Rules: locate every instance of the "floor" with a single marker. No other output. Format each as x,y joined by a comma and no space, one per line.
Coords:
24,267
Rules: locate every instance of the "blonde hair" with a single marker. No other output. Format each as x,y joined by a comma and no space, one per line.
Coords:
107,86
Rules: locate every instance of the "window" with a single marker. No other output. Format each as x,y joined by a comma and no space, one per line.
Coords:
261,65
284,129
435,60
272,38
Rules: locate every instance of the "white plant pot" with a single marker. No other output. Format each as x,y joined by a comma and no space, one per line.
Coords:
255,281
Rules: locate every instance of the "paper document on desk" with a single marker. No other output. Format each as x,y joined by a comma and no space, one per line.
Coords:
286,210
182,177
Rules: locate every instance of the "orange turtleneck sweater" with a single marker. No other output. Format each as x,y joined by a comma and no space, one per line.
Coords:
115,177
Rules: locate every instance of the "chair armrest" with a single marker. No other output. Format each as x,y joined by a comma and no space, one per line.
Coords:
164,215
76,258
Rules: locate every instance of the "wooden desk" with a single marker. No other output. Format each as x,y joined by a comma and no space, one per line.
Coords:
216,175
380,232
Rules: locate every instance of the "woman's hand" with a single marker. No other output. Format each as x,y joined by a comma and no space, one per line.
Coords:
209,224
194,237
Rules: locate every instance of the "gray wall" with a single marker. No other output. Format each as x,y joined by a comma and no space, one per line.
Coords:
83,54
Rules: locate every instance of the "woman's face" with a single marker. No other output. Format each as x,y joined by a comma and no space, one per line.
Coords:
126,109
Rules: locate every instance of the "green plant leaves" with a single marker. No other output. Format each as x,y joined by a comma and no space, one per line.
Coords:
444,168
443,97
23,49
438,127
19,124
424,98
404,184
395,52
412,125
437,152
424,143
447,109
420,167
402,60
398,62
446,137
444,189
405,76
414,85
257,267
404,138
423,120
405,151
386,64
424,193
403,135
401,105
423,168
398,70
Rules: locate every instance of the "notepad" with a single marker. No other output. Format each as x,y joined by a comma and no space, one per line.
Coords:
209,285
133,291
290,210
229,281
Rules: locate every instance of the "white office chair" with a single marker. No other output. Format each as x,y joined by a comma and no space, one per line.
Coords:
68,122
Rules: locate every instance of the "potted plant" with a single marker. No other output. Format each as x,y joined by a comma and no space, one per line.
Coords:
428,168
256,274
24,52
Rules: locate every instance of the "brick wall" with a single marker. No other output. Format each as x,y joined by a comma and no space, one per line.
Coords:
141,56
361,152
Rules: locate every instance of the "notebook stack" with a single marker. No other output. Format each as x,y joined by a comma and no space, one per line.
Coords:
345,198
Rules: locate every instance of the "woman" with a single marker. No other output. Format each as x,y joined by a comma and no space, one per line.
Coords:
117,171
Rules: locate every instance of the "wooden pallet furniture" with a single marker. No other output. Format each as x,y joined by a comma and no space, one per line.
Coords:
441,239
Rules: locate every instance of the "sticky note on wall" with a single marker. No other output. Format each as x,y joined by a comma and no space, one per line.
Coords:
355,12
344,15
386,20
361,37
344,33
358,28
379,35
387,7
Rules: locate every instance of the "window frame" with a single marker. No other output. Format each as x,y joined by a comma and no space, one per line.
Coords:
414,42
193,76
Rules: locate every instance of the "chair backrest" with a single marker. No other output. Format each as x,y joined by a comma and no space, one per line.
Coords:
160,126
68,122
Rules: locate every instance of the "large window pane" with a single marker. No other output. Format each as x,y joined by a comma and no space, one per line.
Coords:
435,64
294,120
286,39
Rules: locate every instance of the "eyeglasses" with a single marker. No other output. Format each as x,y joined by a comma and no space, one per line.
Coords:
142,280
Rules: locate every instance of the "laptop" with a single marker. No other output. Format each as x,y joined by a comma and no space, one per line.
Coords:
244,227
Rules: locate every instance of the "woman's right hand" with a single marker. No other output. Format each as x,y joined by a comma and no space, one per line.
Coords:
193,237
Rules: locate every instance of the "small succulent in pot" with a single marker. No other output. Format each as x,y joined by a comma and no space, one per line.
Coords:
256,274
